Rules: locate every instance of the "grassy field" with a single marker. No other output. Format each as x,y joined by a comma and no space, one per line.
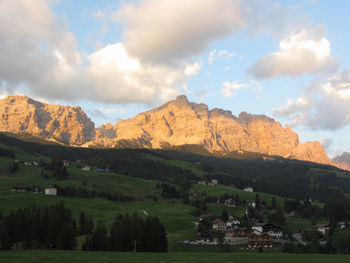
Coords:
218,190
108,257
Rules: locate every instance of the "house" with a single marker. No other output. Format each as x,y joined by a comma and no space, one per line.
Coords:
343,225
20,188
201,182
239,232
51,191
262,239
322,228
258,227
231,235
214,181
248,189
99,170
35,163
230,202
232,222
263,228
219,224
66,163
86,168
27,163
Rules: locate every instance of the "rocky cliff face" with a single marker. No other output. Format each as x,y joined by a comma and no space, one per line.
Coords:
182,122
177,122
70,125
343,161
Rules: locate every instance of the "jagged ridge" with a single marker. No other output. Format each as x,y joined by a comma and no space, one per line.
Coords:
177,122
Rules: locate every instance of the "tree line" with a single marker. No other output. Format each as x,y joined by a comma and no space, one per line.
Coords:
54,227
129,233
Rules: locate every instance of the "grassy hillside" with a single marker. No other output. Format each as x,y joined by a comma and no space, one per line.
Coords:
147,198
104,257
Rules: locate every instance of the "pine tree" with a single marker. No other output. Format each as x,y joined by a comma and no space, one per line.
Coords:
99,238
82,224
273,203
257,202
66,238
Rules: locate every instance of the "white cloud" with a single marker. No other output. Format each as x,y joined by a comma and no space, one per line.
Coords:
192,69
39,56
169,31
305,52
124,78
323,105
231,87
213,55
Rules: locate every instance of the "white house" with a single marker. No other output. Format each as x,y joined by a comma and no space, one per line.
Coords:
248,189
214,181
322,228
86,168
51,191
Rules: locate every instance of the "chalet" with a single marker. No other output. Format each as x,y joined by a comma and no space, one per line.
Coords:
232,222
86,168
322,228
51,191
262,239
20,188
274,231
248,189
219,224
230,202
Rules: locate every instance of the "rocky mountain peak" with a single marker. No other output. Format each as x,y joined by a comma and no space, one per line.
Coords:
246,118
66,124
177,122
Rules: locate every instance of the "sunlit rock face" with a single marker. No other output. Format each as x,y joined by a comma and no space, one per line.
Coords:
177,122
66,124
182,122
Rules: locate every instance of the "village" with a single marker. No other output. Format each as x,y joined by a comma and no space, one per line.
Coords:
250,232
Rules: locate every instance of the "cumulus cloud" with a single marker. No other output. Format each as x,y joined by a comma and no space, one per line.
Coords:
304,52
168,31
323,104
33,47
39,55
231,87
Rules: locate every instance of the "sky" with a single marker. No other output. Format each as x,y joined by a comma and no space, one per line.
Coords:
289,60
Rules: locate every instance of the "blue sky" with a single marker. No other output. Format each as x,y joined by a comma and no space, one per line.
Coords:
286,59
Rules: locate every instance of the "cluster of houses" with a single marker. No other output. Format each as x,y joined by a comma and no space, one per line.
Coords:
22,188
211,183
37,163
260,234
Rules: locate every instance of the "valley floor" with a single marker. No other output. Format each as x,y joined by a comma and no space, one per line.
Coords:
102,257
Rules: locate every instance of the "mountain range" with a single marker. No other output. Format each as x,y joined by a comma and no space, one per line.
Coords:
177,122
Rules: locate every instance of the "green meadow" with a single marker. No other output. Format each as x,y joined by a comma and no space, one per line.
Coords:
109,257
